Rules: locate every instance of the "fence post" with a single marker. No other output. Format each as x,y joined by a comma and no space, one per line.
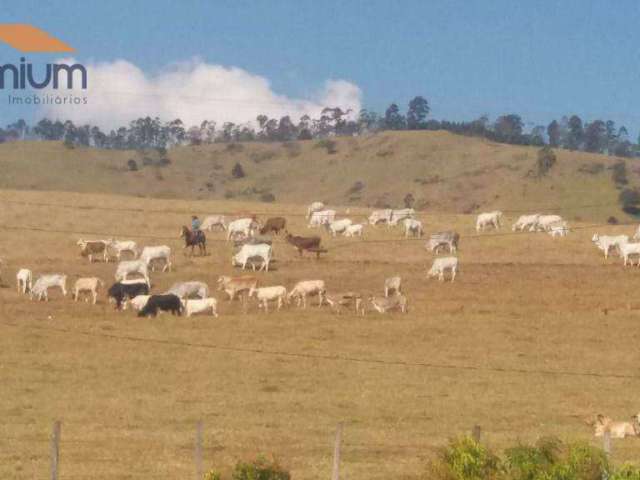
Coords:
336,454
606,442
476,433
198,450
55,450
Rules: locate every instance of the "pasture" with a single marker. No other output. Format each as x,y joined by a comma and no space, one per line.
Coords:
535,335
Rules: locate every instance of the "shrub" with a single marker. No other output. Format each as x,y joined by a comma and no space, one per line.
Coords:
237,171
546,160
626,472
329,145
132,165
629,199
260,469
464,459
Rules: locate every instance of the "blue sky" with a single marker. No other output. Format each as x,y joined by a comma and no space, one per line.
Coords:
540,59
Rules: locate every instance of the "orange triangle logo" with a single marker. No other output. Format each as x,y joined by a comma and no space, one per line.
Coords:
27,38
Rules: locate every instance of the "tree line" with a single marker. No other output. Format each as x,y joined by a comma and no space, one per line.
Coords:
569,132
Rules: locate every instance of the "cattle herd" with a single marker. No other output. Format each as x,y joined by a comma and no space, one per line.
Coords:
255,250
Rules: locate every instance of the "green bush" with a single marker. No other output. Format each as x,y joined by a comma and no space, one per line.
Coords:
259,469
464,459
627,472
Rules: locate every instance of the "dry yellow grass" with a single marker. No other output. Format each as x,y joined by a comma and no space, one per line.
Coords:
484,350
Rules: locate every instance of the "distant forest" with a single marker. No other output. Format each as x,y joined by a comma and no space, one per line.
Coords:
569,132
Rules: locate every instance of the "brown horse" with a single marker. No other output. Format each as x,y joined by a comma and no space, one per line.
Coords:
193,238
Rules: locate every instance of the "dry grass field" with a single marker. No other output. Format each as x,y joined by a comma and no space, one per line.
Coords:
535,335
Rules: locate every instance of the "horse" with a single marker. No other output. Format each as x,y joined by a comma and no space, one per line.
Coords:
193,238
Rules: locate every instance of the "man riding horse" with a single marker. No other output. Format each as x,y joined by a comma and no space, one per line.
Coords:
195,236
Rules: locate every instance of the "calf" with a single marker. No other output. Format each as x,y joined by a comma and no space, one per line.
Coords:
123,290
45,282
412,227
338,226
267,294
24,280
89,248
202,305
386,304
166,303
338,301
235,285
274,224
441,265
91,285
307,288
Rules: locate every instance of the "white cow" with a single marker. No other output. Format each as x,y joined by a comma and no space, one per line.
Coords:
241,226
338,226
353,230
306,288
559,230
159,252
267,294
189,290
401,214
379,216
628,249
119,246
202,305
412,227
247,252
526,221
213,221
441,265
127,267
314,207
392,284
91,285
24,280
321,217
45,282
545,222
607,242
489,219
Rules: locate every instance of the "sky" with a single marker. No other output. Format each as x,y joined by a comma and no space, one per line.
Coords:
229,59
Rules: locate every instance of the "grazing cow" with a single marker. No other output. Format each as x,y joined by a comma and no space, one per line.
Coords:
607,242
242,227
314,207
45,282
489,219
412,227
353,230
448,239
213,221
91,285
386,304
189,290
307,288
124,290
267,294
89,248
339,301
526,221
545,222
166,303
303,243
128,267
560,230
201,305
401,214
441,265
234,285
628,249
24,280
392,284
139,301
321,217
194,238
248,252
159,252
338,226
380,216
603,424
121,246
274,224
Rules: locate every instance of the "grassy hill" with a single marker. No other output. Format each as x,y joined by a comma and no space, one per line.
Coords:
443,172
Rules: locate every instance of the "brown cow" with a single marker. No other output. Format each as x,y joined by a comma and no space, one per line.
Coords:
274,224
303,243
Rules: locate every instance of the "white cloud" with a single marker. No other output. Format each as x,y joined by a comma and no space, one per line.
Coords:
193,91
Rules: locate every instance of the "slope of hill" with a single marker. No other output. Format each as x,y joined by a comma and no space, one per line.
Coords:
443,172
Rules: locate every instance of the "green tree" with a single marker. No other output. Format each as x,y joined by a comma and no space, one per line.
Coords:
393,119
417,113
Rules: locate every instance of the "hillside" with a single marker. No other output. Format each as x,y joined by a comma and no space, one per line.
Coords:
443,172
